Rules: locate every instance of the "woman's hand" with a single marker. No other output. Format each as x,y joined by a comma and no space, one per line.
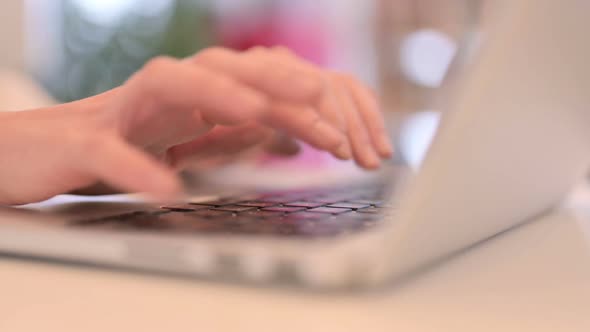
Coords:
170,112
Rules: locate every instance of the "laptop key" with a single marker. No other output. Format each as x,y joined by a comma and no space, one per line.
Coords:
329,210
305,204
327,199
264,214
233,208
273,199
284,209
362,201
258,204
349,205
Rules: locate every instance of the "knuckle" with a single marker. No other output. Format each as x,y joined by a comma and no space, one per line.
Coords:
147,77
283,50
156,65
258,50
219,83
146,80
210,54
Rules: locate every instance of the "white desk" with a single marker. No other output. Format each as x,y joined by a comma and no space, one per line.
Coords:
535,278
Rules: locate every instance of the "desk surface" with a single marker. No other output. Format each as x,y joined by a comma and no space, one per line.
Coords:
534,278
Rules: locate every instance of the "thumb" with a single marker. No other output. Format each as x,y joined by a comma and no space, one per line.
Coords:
125,167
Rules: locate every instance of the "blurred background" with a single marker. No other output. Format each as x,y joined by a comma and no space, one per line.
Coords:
63,50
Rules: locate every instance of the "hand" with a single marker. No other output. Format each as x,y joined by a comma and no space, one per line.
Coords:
172,111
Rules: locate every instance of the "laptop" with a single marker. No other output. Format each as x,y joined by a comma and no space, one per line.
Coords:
513,140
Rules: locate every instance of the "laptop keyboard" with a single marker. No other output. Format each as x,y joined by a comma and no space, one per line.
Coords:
309,213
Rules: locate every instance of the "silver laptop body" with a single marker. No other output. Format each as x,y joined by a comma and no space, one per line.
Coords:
512,142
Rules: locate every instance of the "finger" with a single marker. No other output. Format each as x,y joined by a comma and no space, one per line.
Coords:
368,108
328,105
286,55
179,85
330,110
265,71
122,166
362,149
304,123
221,141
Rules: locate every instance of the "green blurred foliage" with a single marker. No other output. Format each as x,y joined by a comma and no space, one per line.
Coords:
99,57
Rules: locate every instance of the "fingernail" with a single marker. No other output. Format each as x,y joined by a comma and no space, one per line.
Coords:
343,152
385,146
371,160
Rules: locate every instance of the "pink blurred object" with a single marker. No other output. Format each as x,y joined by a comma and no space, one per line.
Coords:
308,158
276,25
